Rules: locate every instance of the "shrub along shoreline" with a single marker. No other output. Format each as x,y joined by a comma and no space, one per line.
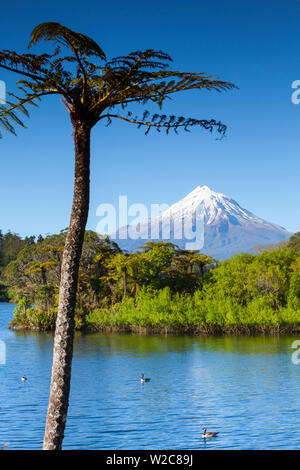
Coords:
162,313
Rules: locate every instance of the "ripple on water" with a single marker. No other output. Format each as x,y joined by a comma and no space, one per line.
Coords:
245,388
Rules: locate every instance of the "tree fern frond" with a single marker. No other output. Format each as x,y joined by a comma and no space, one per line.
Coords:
170,122
90,89
8,119
9,112
52,31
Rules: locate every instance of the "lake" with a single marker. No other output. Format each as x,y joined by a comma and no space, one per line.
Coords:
247,388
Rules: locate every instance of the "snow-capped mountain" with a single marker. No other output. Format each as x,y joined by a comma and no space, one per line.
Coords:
205,220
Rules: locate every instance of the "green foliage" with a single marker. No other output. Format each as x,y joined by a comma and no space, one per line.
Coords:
160,311
294,242
106,275
243,294
159,286
246,277
10,245
35,274
3,294
27,317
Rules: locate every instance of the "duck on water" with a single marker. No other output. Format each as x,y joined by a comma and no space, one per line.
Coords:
144,379
208,434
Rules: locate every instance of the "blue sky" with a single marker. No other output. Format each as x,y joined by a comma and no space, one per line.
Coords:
254,44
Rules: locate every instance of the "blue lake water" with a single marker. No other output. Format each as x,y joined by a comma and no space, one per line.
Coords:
248,389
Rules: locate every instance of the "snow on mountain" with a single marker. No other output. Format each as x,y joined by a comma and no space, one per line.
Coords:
205,220
214,205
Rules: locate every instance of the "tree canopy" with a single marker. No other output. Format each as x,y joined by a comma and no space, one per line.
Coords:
294,242
106,275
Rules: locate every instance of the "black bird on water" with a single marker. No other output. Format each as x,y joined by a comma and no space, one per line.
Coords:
144,379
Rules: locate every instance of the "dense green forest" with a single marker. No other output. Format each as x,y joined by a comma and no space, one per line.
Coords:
10,245
157,288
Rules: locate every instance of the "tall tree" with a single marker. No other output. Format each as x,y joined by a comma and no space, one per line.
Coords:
294,242
92,89
119,267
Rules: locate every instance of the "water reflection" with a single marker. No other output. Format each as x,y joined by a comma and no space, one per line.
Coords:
131,344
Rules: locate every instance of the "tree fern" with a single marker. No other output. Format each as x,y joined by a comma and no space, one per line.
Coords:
92,89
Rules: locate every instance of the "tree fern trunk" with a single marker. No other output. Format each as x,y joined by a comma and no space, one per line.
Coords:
64,332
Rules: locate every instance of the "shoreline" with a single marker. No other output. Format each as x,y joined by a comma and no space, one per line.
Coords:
195,330
145,324
198,330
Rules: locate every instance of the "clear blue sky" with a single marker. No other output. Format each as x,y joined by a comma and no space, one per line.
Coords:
254,44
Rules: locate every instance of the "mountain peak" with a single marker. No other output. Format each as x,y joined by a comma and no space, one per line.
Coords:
202,189
228,228
204,193
211,203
